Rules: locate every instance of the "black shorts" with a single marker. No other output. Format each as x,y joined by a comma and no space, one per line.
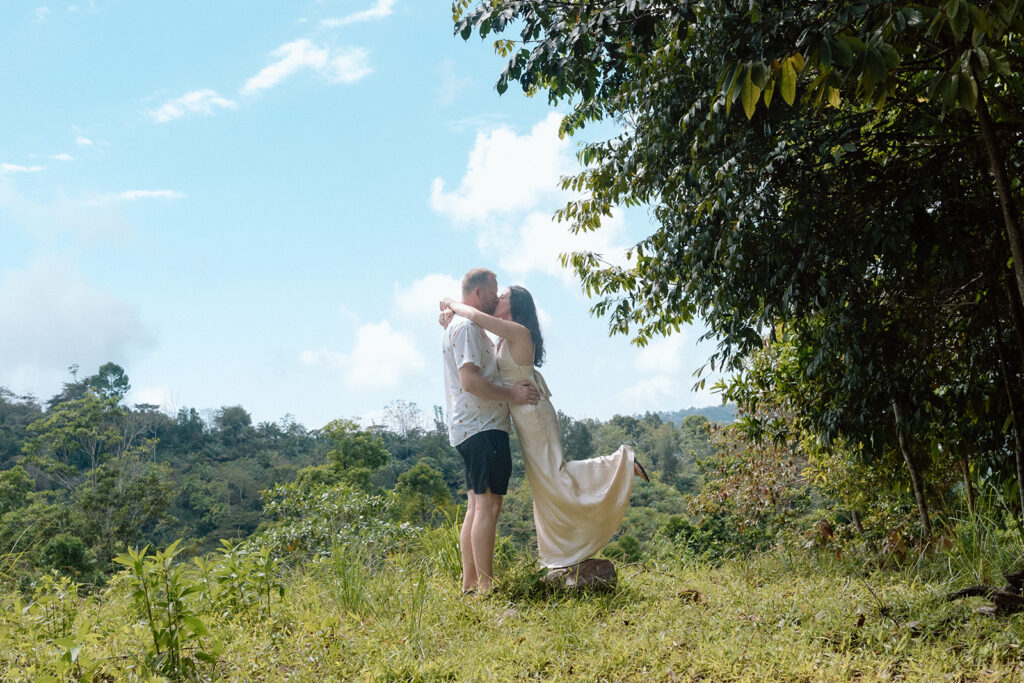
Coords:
488,461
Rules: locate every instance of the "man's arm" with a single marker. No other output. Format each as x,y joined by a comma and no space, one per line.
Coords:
472,380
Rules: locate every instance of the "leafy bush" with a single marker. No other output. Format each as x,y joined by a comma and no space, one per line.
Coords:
162,587
69,554
715,538
51,612
242,579
313,520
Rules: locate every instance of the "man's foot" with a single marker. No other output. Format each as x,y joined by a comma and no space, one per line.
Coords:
639,470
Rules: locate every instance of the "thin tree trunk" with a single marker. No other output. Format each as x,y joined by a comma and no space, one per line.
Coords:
965,470
915,477
1016,314
1010,218
856,522
1016,419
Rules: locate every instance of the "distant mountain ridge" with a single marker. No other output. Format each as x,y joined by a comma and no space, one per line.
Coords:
726,413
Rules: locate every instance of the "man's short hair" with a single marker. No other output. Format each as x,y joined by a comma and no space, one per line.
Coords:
478,277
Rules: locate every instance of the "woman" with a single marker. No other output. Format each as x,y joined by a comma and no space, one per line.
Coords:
577,506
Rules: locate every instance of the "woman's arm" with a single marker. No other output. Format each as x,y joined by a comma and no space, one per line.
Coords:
503,328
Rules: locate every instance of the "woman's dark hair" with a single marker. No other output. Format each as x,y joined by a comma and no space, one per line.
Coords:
524,312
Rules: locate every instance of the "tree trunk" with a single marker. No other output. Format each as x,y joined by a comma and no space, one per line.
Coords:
855,518
1010,218
1016,418
915,477
965,471
1016,314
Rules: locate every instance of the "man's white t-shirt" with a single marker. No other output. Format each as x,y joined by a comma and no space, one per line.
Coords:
466,342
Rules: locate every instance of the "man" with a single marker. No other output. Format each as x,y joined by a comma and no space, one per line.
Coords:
479,426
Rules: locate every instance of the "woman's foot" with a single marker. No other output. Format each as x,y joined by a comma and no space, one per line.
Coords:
639,470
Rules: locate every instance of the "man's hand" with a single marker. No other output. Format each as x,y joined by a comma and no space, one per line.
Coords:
524,393
473,381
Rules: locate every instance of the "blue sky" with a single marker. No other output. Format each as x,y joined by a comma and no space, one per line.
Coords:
260,203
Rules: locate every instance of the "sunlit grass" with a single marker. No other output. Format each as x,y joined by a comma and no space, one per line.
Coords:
789,615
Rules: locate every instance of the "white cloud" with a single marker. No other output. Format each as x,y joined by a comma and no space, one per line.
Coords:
8,169
351,65
507,173
62,216
381,358
419,301
382,9
83,141
63,156
537,242
509,193
340,66
448,83
42,13
196,102
134,196
670,362
653,391
664,354
53,317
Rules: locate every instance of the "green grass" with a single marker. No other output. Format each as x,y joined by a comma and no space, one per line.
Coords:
791,616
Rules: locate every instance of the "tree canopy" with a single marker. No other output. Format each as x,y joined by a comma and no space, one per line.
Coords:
841,175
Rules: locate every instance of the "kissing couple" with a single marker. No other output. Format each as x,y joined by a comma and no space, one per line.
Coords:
577,506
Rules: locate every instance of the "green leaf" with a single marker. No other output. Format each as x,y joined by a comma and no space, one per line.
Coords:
855,43
824,53
980,18
842,53
788,84
999,61
769,90
958,16
759,74
949,94
980,60
967,93
889,55
877,65
938,85
749,94
195,625
729,97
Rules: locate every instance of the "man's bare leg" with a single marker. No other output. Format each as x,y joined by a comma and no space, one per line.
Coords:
485,523
469,574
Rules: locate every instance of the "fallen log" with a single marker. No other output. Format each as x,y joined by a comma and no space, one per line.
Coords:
1007,599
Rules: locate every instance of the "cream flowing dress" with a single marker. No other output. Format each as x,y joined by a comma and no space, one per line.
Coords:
579,505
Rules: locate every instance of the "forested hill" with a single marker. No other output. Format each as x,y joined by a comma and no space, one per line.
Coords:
84,476
724,414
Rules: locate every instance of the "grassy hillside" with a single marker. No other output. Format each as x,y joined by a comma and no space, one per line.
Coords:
793,614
